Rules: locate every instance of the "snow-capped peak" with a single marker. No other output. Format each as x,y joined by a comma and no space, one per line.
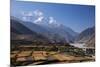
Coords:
52,21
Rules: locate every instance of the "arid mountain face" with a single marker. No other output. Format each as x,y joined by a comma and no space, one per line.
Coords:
91,41
21,32
87,36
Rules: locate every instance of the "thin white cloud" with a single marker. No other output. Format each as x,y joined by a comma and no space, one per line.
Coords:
51,20
38,13
28,13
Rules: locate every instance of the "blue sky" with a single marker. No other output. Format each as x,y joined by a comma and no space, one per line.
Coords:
77,17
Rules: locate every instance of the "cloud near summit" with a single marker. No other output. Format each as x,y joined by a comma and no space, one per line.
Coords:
37,16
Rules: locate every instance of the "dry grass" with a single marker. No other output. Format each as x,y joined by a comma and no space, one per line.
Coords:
24,53
39,55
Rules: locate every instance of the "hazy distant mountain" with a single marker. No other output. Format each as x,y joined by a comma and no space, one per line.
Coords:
63,31
53,31
50,29
87,36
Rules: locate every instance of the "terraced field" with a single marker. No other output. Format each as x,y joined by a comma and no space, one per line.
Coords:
44,57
